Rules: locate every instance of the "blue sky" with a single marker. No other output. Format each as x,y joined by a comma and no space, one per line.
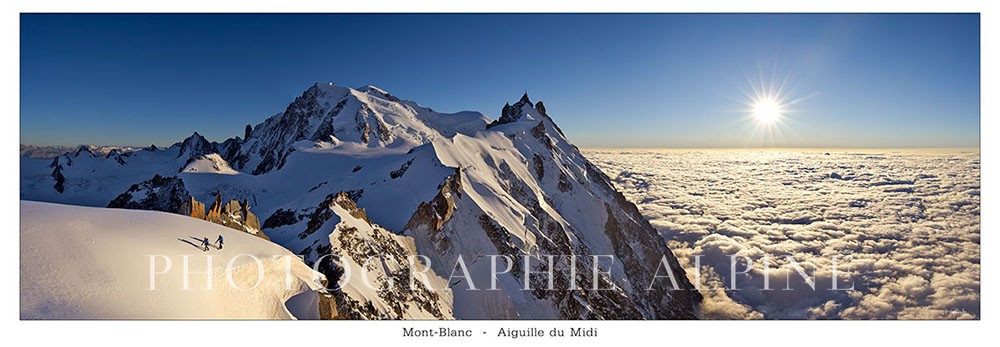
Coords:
626,80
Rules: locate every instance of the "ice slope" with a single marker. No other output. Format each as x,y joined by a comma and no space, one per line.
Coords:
93,263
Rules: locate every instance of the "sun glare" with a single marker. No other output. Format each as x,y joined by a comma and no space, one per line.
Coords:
766,110
769,109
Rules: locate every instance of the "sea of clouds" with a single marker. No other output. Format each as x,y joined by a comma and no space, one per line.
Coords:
909,220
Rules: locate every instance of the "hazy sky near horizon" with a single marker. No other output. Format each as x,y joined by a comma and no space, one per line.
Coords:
622,80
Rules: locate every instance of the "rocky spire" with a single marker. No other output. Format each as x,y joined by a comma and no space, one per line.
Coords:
524,99
511,113
233,214
192,208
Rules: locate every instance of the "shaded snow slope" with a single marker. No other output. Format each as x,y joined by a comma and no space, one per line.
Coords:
93,263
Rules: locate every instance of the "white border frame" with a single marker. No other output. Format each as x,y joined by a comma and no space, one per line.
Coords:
157,333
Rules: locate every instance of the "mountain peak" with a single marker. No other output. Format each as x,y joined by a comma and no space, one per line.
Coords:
195,137
524,108
524,99
330,116
512,113
320,89
195,145
323,85
83,149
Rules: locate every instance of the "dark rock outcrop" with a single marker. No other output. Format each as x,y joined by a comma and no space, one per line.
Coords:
57,175
247,131
281,217
157,194
432,215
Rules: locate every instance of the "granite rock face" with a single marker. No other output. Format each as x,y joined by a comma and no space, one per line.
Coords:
192,208
234,214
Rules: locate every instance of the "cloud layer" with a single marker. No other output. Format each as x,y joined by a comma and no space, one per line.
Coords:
909,220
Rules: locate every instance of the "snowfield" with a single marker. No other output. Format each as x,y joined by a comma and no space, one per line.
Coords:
909,219
96,263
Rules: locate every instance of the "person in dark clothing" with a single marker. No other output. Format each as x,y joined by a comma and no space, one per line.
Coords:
219,241
204,244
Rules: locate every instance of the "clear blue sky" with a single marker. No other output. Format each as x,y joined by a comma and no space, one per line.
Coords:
648,80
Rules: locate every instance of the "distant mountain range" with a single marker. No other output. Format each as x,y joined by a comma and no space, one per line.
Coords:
32,151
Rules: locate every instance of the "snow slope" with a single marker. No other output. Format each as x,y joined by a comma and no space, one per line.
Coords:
211,163
94,263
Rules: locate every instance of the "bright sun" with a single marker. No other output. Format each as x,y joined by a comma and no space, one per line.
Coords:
766,110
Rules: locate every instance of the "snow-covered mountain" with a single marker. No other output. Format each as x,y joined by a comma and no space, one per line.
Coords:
343,173
94,263
522,190
327,115
32,151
